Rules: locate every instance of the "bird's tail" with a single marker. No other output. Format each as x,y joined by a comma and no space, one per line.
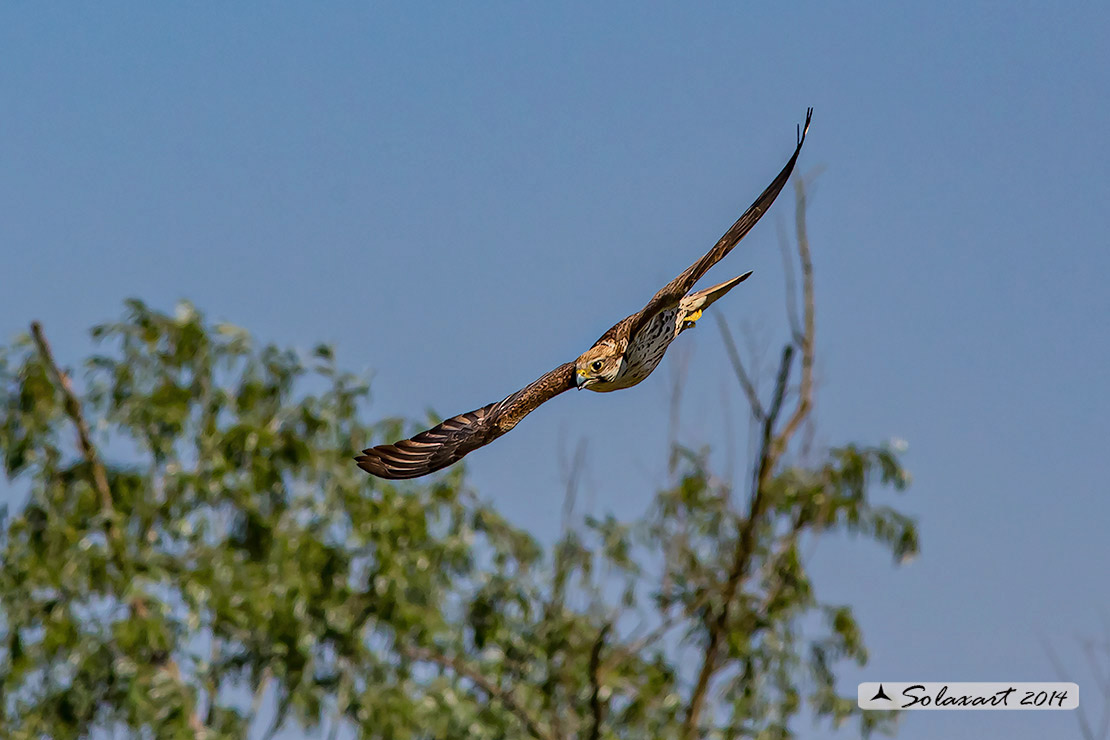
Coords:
690,307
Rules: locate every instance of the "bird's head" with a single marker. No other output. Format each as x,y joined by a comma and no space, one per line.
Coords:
599,364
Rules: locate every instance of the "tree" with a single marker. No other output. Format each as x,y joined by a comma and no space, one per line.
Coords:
207,544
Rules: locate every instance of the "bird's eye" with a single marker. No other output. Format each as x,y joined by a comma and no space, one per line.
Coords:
596,366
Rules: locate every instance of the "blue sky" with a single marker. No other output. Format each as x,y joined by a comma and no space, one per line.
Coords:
463,196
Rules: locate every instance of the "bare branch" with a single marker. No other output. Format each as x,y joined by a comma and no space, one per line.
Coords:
73,411
780,393
791,283
595,682
492,690
805,390
745,545
738,367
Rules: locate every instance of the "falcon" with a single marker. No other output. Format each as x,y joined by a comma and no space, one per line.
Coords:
621,358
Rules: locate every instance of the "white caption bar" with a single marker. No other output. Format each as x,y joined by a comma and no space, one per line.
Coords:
967,695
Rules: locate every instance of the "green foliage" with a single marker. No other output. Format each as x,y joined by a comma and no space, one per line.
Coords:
241,555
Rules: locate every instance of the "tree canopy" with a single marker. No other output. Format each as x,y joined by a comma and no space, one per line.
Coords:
196,545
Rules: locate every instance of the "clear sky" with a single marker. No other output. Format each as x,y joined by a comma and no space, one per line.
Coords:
461,196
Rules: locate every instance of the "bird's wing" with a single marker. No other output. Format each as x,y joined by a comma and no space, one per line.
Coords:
672,292
448,442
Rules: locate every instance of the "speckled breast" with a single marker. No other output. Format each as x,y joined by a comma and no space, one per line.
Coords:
647,348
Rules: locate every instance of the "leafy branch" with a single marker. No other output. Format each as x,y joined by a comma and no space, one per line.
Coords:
773,444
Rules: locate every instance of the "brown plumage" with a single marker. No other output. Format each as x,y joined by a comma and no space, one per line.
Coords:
449,441
622,357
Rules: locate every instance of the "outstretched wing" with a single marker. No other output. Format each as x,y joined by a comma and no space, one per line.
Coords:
448,442
672,292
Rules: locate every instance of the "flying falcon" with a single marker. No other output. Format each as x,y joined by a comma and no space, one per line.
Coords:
621,358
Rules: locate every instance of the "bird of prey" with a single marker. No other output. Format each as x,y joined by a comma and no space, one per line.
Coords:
622,357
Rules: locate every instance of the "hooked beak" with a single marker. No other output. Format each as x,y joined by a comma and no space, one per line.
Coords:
580,380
